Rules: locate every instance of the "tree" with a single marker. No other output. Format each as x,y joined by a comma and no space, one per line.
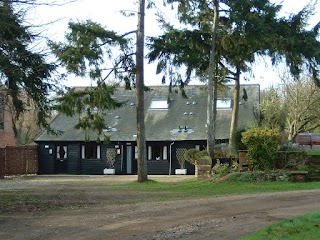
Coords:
141,141
22,69
25,127
170,52
292,106
212,86
272,111
247,29
301,101
89,51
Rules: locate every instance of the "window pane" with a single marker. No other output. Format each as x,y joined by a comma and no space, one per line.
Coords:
159,104
61,152
224,103
91,151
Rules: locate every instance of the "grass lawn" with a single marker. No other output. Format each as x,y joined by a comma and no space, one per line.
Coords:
72,192
303,227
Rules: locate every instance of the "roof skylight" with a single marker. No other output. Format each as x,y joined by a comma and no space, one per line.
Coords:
223,103
159,104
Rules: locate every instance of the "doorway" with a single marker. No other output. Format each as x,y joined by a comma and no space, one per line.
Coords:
129,159
61,160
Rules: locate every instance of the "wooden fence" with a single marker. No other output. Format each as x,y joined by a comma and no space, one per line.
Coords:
18,160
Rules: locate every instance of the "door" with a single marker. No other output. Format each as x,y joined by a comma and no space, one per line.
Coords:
129,159
61,161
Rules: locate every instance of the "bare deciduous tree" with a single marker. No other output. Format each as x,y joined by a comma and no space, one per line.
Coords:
301,102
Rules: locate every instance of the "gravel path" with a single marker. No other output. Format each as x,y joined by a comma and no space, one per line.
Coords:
208,218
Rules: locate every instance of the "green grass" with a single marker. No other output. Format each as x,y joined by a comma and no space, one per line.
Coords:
313,152
42,194
303,227
209,188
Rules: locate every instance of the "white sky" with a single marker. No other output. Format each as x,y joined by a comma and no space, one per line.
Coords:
107,13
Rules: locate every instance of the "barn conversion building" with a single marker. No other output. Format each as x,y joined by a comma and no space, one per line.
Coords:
173,125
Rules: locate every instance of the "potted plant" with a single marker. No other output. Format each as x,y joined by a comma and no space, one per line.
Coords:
180,157
193,156
111,158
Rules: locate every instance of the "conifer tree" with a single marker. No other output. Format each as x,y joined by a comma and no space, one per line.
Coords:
89,51
247,29
22,69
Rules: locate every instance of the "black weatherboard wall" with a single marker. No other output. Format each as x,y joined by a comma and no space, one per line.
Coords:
46,159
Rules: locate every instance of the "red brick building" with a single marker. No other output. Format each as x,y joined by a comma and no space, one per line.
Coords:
7,137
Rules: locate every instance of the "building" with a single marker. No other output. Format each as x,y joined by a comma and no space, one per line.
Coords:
173,125
7,137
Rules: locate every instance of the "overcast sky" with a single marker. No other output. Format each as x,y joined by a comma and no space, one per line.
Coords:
107,13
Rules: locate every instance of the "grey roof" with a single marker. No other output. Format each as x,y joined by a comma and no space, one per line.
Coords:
163,125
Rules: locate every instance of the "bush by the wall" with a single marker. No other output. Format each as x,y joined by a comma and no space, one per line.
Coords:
262,145
258,176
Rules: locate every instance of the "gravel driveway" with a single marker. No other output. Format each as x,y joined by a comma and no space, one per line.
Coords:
207,218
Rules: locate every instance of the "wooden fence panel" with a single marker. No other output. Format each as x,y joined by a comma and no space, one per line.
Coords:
19,160
2,163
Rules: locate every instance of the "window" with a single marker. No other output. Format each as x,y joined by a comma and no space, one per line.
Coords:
61,152
223,103
136,152
158,152
159,105
90,151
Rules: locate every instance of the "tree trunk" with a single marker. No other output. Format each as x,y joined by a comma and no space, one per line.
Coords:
291,132
210,105
141,139
233,145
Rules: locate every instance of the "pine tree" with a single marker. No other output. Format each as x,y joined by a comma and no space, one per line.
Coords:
247,29
22,69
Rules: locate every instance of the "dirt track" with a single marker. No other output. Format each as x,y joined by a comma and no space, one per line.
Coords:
209,218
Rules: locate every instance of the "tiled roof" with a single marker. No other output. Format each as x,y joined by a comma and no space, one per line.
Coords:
163,125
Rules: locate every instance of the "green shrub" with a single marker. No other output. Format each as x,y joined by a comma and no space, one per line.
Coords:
313,152
292,160
258,176
221,169
191,155
262,145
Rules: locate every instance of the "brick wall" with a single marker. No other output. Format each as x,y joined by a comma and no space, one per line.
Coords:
6,129
18,160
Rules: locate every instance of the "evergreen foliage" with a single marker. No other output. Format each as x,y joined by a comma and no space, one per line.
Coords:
89,52
22,69
247,29
90,104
